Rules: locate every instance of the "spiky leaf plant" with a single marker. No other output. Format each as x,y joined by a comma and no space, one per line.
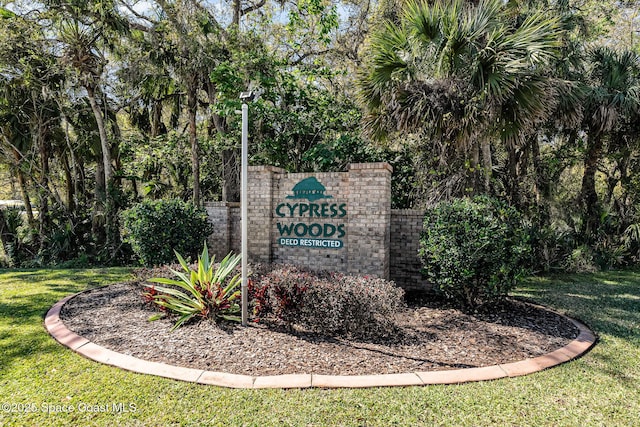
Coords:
206,292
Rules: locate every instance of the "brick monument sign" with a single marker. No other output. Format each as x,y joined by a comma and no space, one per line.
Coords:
338,221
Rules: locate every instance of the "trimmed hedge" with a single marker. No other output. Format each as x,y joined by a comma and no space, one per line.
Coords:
155,228
474,251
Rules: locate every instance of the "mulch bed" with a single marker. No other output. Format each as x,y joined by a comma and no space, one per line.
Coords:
429,338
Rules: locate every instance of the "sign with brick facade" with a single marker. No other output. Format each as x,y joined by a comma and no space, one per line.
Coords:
336,221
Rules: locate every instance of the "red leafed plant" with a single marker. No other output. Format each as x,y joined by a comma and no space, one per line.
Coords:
149,293
326,302
280,294
259,299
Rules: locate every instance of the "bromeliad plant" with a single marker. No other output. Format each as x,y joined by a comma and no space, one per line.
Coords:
206,292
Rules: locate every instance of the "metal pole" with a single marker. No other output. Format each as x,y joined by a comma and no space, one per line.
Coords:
243,207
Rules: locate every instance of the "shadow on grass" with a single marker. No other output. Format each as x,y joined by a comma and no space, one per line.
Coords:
25,298
22,334
30,309
78,278
25,295
25,346
615,367
609,302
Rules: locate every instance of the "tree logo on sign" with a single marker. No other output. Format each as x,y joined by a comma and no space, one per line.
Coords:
309,189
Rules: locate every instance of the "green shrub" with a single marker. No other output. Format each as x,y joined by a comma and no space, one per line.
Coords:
155,228
473,251
326,302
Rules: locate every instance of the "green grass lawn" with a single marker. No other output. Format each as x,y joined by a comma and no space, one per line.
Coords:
601,388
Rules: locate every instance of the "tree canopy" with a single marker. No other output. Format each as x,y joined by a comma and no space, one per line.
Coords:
106,103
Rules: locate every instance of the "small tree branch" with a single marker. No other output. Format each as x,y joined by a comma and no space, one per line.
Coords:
253,7
302,57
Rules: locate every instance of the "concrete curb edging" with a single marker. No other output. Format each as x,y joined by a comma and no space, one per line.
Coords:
55,327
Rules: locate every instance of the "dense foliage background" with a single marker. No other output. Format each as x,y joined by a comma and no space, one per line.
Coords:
104,104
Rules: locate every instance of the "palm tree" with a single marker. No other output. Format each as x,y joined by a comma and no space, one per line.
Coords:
86,32
612,98
464,73
81,54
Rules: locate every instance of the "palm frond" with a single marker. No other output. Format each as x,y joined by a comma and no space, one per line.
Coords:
454,68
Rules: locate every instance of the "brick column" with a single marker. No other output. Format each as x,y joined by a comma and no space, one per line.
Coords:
260,188
369,213
218,242
405,269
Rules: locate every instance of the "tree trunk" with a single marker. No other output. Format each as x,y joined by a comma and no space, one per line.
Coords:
71,170
541,186
487,163
43,151
26,199
98,212
104,176
69,183
474,184
588,195
102,131
23,190
237,10
229,157
109,234
80,182
512,178
157,127
9,239
230,175
192,104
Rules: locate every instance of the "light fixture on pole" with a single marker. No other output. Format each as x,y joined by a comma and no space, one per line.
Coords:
245,97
